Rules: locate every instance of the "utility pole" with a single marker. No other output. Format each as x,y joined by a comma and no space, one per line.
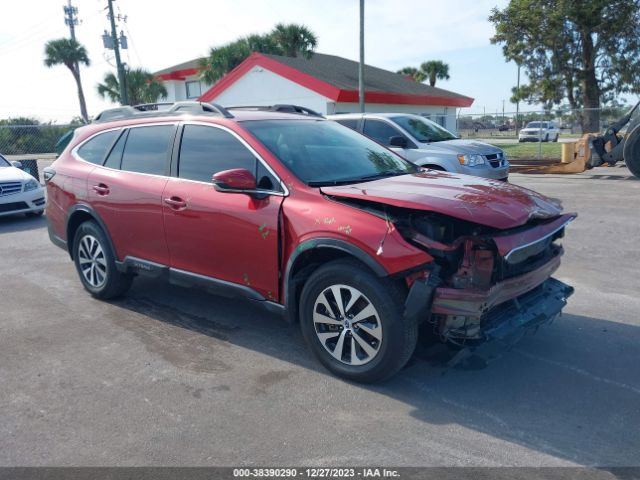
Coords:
518,103
71,18
361,64
116,50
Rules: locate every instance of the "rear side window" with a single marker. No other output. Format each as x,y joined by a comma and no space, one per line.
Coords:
379,131
208,150
352,123
115,156
147,148
96,149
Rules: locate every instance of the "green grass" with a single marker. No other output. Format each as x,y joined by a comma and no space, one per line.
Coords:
550,151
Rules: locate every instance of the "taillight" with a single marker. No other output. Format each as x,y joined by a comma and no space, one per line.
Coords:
48,173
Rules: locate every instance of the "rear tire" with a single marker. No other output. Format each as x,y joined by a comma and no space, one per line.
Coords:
556,138
95,263
632,152
367,350
546,138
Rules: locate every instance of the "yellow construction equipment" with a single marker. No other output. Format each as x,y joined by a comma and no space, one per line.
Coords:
593,150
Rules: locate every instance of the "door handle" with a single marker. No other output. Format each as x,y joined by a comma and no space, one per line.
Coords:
101,189
176,203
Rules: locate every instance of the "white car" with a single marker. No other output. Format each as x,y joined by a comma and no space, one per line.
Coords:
19,191
539,131
428,144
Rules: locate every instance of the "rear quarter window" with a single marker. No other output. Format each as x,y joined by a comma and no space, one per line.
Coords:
96,148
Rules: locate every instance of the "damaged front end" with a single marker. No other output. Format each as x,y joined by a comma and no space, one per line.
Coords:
485,283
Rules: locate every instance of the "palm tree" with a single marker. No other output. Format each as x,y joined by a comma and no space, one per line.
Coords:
414,73
223,59
289,40
435,70
71,54
294,39
141,85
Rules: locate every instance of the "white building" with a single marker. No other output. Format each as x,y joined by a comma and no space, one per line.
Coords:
325,83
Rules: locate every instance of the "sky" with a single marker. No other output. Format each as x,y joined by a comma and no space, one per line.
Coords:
398,33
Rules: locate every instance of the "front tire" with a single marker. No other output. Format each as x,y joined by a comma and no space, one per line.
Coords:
35,214
354,324
95,263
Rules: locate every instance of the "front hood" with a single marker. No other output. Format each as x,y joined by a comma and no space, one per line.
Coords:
458,146
486,202
13,174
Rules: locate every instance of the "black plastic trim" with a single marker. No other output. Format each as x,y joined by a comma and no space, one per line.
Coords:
332,243
56,240
81,207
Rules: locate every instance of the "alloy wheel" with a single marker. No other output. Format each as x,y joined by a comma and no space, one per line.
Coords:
347,325
93,263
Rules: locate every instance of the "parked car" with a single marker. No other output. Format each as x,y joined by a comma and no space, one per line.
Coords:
428,144
539,131
19,191
308,219
503,127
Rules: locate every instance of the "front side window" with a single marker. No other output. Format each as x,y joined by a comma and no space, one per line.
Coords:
423,130
205,151
94,150
147,149
380,131
321,152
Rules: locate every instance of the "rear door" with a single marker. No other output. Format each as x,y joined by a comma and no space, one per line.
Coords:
127,191
227,236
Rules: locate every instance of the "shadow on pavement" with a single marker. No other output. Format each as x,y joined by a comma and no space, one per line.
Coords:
571,391
21,223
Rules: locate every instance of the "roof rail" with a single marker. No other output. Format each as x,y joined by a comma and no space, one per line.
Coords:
154,109
283,108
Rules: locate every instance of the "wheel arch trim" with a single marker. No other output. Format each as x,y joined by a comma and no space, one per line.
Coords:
88,210
327,243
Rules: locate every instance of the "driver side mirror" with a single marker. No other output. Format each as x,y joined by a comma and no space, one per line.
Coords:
234,180
17,164
398,141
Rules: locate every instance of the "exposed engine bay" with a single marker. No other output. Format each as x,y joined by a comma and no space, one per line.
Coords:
482,279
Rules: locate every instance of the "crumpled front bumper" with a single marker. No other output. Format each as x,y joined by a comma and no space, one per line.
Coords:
530,309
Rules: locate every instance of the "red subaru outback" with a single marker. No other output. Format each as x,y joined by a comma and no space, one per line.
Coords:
310,219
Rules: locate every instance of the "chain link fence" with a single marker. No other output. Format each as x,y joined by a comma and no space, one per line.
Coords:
505,130
34,146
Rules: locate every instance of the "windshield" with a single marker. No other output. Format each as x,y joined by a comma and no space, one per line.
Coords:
327,153
4,162
536,125
424,130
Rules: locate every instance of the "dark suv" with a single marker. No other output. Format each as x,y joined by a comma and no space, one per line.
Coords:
310,219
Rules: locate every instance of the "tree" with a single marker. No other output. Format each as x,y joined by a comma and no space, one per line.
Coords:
432,70
289,40
71,54
435,70
415,73
141,85
294,39
584,51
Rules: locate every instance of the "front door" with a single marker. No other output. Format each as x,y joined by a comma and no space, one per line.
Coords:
227,236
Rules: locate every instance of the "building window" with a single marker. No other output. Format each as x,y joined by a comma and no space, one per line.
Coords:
194,89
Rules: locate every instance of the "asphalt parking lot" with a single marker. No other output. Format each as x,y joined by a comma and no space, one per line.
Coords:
174,376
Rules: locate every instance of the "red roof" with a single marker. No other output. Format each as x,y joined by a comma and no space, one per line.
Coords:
336,78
